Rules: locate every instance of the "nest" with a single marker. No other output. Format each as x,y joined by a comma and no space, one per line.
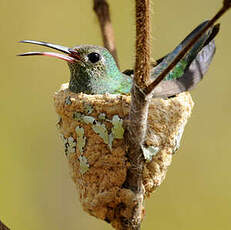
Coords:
92,129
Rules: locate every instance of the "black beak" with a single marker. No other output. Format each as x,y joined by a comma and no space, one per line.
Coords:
72,53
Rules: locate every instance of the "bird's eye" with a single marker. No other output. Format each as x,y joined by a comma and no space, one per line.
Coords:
94,57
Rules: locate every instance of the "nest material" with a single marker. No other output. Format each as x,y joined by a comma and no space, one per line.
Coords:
92,128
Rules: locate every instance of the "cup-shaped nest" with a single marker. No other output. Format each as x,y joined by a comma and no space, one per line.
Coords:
92,129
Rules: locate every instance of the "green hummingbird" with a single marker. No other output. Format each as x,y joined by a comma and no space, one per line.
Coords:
94,70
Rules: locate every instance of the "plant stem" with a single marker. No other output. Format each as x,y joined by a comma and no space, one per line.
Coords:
136,130
3,227
101,9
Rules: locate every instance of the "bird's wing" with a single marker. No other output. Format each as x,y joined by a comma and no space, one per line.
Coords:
190,70
191,76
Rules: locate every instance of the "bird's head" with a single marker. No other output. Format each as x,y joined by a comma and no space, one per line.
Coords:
93,69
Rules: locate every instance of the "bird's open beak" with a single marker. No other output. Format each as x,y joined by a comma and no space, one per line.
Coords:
72,54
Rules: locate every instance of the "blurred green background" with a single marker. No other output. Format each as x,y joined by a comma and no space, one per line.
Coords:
36,191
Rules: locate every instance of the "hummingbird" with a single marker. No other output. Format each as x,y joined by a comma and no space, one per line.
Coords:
93,70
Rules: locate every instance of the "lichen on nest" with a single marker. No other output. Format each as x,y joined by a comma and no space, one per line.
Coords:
92,129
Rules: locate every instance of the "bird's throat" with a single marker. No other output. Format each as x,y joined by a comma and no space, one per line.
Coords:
83,80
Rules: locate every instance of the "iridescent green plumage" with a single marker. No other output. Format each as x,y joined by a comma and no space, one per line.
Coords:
100,77
179,69
94,71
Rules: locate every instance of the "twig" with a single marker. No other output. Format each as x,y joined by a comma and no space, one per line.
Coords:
136,130
225,7
3,227
101,9
143,39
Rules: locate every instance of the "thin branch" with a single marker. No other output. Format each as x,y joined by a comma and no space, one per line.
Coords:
139,103
136,130
225,7
143,38
101,9
3,227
